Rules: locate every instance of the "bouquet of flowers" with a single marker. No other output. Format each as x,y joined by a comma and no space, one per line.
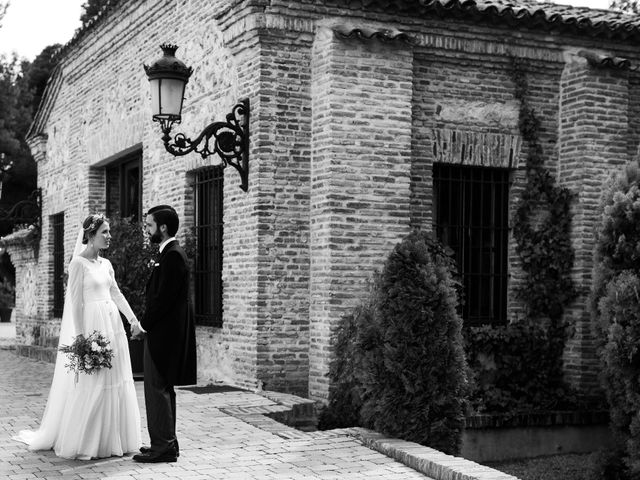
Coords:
88,354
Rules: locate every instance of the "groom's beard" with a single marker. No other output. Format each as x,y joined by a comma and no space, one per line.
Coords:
155,238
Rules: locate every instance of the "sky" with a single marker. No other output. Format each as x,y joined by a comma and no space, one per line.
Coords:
31,25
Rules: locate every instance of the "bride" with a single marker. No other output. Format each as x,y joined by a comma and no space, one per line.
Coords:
98,416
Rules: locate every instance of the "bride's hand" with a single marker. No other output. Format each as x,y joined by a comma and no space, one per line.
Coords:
136,332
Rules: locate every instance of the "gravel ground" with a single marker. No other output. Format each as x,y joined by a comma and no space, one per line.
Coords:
556,467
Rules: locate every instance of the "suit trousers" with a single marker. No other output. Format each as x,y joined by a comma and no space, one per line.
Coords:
160,402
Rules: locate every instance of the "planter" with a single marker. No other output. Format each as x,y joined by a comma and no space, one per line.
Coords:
501,437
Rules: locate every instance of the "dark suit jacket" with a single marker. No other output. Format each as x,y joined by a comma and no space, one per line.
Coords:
168,318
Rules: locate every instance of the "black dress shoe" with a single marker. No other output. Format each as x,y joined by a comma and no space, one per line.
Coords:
148,450
150,457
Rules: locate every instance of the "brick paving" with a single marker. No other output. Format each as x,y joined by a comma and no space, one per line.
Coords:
222,436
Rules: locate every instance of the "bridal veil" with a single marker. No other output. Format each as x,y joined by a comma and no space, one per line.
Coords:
63,380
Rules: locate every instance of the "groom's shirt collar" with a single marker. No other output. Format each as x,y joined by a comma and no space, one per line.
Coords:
164,244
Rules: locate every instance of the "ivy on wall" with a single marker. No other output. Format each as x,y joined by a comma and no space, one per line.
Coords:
542,222
518,367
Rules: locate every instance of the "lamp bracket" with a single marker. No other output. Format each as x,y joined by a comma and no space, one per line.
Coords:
230,141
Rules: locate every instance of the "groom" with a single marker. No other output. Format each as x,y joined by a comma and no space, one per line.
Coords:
169,345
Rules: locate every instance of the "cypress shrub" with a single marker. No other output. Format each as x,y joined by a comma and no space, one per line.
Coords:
618,237
345,395
414,371
615,308
399,365
621,359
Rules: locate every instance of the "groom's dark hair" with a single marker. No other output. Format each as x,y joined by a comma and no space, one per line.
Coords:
165,215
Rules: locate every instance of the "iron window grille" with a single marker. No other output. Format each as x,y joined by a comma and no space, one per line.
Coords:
472,217
209,228
57,222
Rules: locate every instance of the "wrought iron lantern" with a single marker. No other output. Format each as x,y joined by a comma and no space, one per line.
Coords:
229,139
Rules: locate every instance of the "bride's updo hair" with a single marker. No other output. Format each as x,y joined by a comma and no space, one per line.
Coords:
91,225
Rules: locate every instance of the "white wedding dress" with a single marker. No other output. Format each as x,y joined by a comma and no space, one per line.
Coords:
98,416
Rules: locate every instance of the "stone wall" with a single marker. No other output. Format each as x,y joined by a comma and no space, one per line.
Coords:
35,338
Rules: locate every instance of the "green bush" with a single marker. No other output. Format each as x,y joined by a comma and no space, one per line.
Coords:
609,465
7,294
516,369
621,360
131,254
615,307
345,397
404,373
618,237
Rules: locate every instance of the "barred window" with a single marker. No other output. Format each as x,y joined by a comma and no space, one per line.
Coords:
209,184
57,223
124,187
471,216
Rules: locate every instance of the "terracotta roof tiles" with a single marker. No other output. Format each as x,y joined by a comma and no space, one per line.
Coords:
527,13
543,15
364,32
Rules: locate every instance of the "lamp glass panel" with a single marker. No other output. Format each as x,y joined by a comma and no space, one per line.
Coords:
171,93
155,96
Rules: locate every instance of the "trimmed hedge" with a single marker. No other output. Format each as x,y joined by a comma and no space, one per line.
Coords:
516,370
615,306
400,366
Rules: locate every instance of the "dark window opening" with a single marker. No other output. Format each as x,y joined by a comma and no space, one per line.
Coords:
57,222
124,187
209,184
471,216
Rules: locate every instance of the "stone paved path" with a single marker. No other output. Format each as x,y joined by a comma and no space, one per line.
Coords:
213,444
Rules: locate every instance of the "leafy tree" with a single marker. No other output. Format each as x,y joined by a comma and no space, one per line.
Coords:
38,72
90,9
17,168
3,10
627,6
22,85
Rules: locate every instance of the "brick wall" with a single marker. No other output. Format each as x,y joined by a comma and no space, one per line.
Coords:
342,143
361,101
284,141
100,111
593,128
